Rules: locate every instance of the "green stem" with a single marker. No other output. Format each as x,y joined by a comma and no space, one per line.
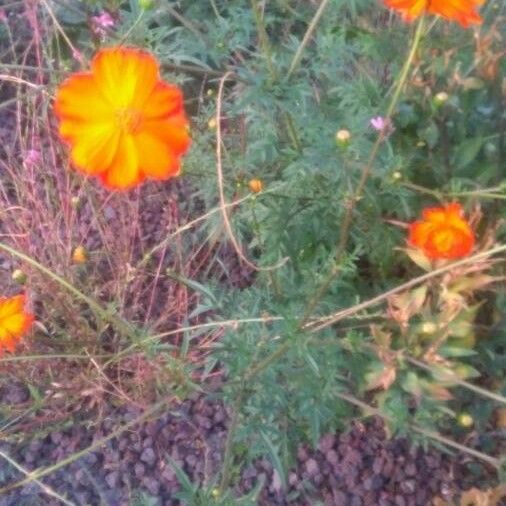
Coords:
44,471
120,324
264,40
227,455
309,32
366,172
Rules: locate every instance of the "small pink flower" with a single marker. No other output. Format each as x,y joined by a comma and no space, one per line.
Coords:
382,125
3,16
101,23
32,157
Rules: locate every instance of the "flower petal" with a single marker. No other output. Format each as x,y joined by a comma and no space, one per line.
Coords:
11,306
164,101
79,99
95,147
123,172
125,76
173,132
157,160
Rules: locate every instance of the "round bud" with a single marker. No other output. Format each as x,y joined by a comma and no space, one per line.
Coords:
211,124
19,276
440,99
465,420
429,328
80,255
343,138
256,185
146,4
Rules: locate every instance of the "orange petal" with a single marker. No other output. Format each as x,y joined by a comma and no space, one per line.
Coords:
79,99
123,173
164,101
173,132
156,159
11,306
434,214
95,147
126,76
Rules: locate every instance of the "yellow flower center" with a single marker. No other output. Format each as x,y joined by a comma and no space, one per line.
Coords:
129,120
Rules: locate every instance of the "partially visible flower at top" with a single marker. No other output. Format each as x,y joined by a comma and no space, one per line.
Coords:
32,157
464,12
14,321
443,233
100,24
382,125
123,123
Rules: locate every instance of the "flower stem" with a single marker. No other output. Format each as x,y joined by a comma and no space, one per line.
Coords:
121,325
309,32
366,172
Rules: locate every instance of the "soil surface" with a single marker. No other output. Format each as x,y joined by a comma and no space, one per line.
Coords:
361,467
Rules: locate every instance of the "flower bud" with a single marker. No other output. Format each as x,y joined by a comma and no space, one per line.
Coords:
75,202
256,185
146,4
343,138
429,328
80,255
441,98
19,276
396,176
211,124
465,420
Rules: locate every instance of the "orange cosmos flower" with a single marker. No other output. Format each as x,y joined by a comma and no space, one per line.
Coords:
14,321
122,122
443,233
461,11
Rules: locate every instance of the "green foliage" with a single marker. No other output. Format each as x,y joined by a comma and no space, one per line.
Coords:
281,128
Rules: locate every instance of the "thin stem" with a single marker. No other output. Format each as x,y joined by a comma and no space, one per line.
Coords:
326,321
227,455
120,324
44,471
428,433
264,39
451,377
366,171
132,27
309,33
47,490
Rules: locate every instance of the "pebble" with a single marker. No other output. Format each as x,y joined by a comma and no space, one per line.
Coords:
148,456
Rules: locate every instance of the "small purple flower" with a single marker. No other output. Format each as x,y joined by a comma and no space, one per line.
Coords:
382,125
378,123
101,23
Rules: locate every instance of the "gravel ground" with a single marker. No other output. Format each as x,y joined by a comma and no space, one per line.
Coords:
359,468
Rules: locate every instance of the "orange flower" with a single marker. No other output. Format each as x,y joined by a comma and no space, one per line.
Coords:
443,233
14,321
461,11
122,122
